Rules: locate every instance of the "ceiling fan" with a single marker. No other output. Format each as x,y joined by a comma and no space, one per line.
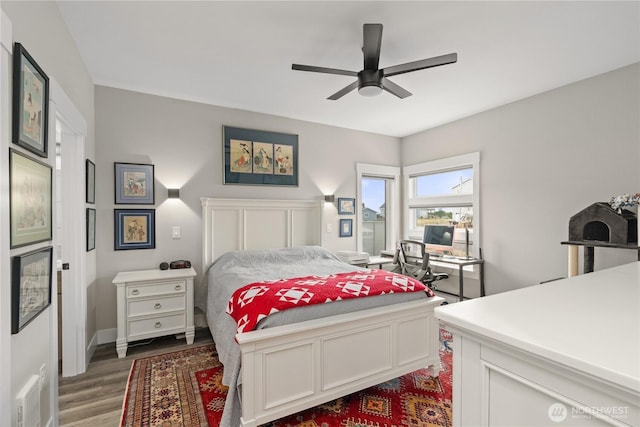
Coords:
372,81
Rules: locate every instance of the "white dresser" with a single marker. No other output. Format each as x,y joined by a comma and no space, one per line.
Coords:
562,353
153,303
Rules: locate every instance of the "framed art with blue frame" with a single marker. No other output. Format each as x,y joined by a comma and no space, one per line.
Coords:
134,229
134,184
346,206
256,157
346,227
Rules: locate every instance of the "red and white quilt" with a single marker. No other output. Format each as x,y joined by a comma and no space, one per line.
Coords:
251,303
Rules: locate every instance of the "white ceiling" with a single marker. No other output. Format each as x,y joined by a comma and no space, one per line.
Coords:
239,54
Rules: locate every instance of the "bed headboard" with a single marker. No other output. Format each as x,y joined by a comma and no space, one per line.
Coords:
232,224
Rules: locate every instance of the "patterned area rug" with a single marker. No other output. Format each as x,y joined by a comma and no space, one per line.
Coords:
184,388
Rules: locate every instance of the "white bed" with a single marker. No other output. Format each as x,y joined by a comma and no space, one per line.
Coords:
288,368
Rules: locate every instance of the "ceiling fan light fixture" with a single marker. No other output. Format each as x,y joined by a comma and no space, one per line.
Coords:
371,89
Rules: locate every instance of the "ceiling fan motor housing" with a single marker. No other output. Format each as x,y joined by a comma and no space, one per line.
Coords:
370,82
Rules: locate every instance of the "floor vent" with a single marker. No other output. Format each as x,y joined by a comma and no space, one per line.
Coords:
29,403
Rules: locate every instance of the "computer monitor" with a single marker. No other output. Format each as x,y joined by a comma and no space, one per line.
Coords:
438,237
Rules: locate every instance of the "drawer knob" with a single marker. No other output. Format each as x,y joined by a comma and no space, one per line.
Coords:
134,292
158,324
178,287
158,305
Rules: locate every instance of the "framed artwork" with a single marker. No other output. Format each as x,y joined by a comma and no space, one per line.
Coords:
346,227
134,184
134,229
255,157
30,200
30,286
90,171
30,102
346,206
91,229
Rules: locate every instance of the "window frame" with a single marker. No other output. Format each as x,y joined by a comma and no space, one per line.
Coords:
411,201
392,203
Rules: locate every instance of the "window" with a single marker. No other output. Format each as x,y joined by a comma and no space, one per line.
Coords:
445,192
373,206
378,202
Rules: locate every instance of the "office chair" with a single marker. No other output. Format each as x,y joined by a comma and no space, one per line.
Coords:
413,260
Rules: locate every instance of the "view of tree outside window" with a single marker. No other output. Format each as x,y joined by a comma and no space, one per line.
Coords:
374,199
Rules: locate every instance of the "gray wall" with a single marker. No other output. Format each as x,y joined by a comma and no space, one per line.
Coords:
543,159
40,28
183,140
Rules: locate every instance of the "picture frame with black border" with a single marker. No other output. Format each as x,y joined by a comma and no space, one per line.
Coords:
30,103
90,171
346,227
258,157
91,229
346,206
134,184
134,229
30,200
31,279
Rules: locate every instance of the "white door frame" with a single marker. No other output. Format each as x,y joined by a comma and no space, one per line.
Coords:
74,290
6,46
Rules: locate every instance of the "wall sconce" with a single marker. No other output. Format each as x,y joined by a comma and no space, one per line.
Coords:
173,193
329,198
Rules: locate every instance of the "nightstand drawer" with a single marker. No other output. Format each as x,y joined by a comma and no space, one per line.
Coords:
141,307
153,303
156,325
147,290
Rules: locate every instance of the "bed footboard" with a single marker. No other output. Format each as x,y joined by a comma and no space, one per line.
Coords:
294,367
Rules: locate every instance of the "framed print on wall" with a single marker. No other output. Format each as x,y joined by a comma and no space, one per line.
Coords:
346,206
346,227
134,184
30,286
29,200
30,102
134,229
90,171
256,157
91,229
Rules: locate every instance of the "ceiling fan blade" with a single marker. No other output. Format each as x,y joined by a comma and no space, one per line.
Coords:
323,70
372,39
420,65
393,88
342,92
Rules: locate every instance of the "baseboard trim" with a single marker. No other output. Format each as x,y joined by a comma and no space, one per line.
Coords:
91,348
107,335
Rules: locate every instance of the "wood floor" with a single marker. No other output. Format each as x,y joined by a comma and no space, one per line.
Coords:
95,397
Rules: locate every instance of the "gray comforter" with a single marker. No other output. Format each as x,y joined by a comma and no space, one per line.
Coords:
238,268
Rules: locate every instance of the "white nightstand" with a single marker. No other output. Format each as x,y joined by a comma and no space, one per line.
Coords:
153,303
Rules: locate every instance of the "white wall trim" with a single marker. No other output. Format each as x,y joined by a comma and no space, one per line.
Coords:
106,336
91,347
75,357
392,208
6,42
448,163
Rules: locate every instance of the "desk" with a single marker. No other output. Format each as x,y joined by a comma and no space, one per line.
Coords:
373,260
461,263
442,261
